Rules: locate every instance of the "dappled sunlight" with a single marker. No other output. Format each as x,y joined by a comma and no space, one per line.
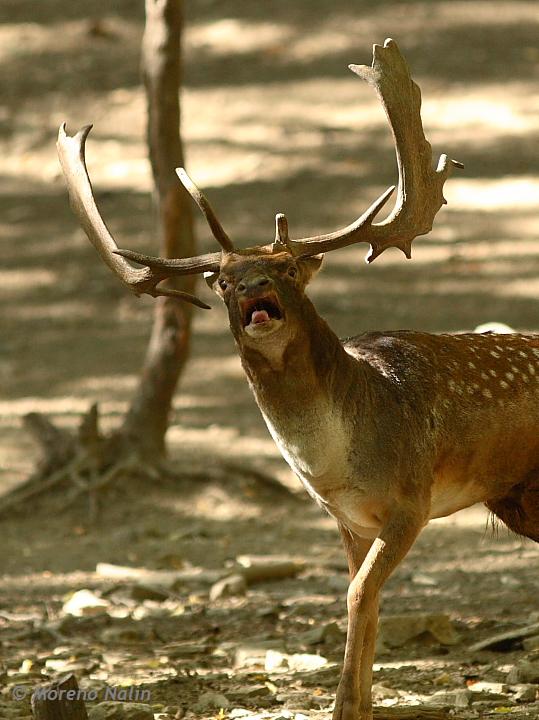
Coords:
232,36
68,310
17,282
482,114
509,193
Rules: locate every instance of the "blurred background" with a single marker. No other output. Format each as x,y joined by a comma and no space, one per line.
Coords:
272,121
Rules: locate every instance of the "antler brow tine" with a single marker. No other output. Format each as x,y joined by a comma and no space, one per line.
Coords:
201,200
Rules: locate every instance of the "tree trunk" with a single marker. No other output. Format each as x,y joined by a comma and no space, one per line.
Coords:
147,419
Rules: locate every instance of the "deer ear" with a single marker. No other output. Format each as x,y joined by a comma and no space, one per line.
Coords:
211,279
310,266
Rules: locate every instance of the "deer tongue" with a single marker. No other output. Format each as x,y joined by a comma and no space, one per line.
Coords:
259,316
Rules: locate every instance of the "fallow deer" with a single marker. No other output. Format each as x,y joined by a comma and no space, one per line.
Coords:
385,430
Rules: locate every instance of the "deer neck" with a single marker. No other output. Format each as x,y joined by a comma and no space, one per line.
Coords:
309,371
304,394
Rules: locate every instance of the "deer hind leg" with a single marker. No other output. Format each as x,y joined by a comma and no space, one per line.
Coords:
353,701
519,510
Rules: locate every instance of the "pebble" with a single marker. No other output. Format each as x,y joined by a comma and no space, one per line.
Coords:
281,662
456,698
531,643
211,701
397,630
524,672
488,687
142,591
525,693
319,634
255,653
228,587
381,692
85,602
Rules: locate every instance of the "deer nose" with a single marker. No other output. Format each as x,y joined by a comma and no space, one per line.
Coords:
253,283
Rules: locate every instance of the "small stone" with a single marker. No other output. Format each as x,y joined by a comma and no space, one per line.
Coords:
320,634
456,698
397,630
141,592
381,692
238,712
228,587
488,687
524,672
125,633
254,654
443,679
85,602
120,711
281,662
531,643
525,693
211,701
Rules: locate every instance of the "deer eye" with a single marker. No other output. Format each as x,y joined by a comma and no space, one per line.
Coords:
223,284
292,271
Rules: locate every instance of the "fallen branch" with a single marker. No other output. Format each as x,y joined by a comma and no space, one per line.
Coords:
22,494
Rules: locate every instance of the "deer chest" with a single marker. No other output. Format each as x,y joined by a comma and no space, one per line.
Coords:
316,446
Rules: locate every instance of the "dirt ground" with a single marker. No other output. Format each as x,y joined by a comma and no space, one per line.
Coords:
272,121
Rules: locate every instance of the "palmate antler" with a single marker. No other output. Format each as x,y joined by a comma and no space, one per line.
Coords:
419,194
420,188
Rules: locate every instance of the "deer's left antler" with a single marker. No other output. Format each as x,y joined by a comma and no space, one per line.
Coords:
139,280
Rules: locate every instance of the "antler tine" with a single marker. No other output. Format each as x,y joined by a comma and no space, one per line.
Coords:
71,151
282,241
345,236
217,229
420,188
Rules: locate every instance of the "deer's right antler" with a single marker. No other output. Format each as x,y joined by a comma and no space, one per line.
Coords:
420,188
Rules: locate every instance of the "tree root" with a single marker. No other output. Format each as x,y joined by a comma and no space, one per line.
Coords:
84,463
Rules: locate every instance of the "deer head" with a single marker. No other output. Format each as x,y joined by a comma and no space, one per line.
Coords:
262,285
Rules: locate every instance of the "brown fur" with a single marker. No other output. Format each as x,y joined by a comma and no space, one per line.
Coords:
519,509
385,430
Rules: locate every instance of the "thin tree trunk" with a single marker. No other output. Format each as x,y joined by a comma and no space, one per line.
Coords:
147,419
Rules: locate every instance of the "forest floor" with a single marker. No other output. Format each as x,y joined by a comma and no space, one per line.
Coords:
272,121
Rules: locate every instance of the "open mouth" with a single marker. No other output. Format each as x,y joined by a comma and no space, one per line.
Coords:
258,311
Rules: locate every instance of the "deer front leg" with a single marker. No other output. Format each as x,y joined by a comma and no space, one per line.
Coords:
356,549
353,701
